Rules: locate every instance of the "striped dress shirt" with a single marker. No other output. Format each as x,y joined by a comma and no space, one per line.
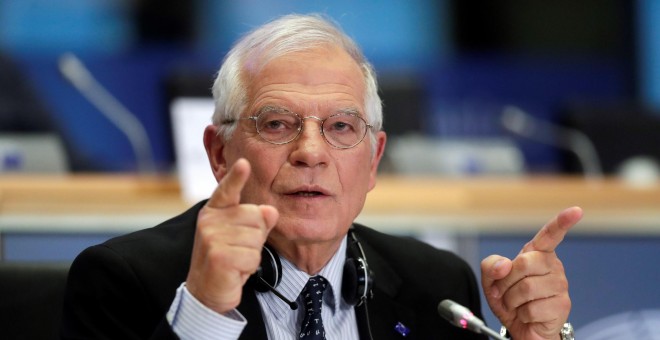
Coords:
192,320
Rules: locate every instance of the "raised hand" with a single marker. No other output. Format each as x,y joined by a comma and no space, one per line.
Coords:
228,242
529,295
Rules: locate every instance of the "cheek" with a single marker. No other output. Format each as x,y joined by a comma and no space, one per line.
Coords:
265,166
355,177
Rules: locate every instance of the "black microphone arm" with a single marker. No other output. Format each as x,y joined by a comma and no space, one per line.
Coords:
461,317
521,123
292,304
79,76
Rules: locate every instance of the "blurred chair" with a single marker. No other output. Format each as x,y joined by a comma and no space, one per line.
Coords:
31,297
621,134
31,138
32,153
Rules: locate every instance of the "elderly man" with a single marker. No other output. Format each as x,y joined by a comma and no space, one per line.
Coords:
295,144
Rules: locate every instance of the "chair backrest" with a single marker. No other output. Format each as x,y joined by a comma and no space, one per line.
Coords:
31,297
619,133
32,153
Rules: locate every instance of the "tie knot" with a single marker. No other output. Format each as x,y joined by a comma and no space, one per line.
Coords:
313,291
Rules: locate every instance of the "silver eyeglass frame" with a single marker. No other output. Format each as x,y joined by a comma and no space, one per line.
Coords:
301,127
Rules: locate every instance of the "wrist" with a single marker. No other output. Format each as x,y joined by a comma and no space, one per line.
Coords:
565,333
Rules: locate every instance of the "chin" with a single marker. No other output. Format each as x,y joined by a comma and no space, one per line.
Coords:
307,230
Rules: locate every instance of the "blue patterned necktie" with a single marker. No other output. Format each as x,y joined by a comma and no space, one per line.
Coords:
312,324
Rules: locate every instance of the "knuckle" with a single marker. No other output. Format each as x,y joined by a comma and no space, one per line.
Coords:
524,315
523,262
532,311
203,215
219,255
566,303
526,287
563,284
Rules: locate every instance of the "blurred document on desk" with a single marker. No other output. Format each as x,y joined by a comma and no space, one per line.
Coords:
190,116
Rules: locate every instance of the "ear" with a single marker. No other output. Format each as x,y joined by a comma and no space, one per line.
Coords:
214,145
381,138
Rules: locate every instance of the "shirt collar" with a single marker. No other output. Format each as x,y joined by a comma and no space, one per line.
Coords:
294,279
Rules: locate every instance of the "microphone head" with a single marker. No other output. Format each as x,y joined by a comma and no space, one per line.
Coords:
444,309
459,316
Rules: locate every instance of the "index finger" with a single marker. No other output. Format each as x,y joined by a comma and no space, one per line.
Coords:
551,235
228,191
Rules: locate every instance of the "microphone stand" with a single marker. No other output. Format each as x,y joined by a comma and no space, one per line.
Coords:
519,122
79,76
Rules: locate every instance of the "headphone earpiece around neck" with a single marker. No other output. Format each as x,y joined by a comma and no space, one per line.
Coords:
357,279
269,272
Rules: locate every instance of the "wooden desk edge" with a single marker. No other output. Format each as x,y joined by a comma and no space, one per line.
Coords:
492,205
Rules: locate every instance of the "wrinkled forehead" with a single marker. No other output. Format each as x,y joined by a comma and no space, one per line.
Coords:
257,60
322,71
261,55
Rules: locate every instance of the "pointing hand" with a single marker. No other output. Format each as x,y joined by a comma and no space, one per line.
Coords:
529,294
228,242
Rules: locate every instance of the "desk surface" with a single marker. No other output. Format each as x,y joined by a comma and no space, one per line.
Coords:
126,202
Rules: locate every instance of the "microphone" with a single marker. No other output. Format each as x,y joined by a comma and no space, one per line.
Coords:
461,317
73,70
521,123
292,304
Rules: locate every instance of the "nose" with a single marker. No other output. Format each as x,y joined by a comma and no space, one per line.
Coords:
310,149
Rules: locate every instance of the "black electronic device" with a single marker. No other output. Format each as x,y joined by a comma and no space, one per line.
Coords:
357,279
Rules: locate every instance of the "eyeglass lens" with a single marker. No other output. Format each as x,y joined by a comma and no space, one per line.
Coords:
340,130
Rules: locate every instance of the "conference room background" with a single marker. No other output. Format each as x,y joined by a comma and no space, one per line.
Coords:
446,67
447,70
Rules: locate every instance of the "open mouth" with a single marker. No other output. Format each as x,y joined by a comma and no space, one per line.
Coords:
307,193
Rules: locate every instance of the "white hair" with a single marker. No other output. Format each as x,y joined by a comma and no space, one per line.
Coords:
287,34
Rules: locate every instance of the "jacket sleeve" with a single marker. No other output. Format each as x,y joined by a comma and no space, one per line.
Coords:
105,299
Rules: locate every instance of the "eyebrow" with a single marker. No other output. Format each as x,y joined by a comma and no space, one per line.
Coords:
350,111
280,109
271,108
267,108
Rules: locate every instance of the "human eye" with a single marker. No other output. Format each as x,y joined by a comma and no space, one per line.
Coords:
272,124
276,124
275,121
342,124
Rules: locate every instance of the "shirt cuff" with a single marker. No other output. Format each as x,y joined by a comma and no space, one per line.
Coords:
190,319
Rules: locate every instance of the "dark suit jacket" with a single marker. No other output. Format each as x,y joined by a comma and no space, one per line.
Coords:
123,288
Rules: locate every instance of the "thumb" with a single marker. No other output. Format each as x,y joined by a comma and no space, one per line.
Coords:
493,268
270,215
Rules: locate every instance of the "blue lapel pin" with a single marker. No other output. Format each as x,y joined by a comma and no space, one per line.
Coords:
402,329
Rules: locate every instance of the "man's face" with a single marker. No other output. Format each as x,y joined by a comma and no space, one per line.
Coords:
317,189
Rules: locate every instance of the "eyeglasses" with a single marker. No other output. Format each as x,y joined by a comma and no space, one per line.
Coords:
279,126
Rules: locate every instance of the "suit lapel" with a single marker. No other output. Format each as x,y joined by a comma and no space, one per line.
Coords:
383,312
378,319
249,307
